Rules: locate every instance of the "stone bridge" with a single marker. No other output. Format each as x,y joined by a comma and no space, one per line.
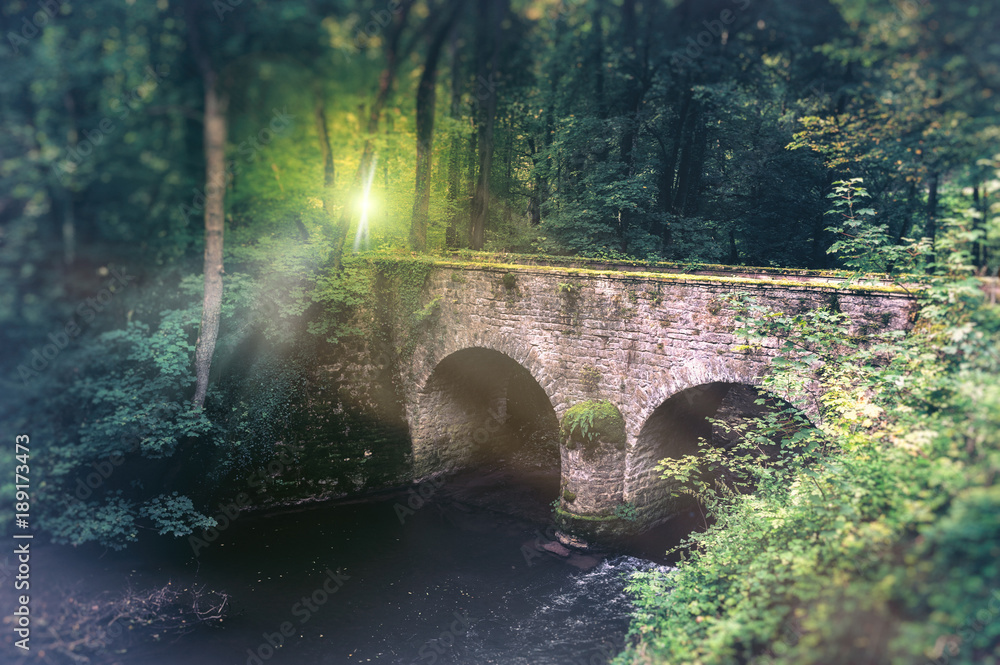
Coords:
528,342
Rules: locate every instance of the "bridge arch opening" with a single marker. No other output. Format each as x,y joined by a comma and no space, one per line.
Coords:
484,415
673,431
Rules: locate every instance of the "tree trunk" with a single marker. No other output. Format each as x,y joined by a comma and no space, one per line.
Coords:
326,152
690,167
631,94
451,234
668,178
63,199
215,191
366,165
214,141
597,63
426,89
930,230
488,37
322,131
979,224
535,199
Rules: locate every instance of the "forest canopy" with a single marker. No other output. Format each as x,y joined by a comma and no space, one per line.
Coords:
686,131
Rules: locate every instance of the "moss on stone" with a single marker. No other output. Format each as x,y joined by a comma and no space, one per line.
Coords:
560,512
810,282
591,422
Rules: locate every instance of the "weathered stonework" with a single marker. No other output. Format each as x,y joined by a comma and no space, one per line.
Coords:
509,340
595,482
635,339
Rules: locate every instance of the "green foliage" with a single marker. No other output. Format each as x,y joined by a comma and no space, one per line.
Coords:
509,281
569,288
868,533
591,422
626,511
590,378
111,523
568,496
427,312
861,245
123,399
174,515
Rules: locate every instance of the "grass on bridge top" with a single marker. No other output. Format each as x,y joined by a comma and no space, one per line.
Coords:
662,270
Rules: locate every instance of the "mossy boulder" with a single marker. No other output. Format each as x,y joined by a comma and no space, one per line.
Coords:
591,422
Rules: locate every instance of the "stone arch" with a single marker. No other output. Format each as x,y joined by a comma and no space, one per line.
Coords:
448,339
672,429
477,402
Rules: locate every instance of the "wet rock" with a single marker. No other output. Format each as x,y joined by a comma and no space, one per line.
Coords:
556,549
572,541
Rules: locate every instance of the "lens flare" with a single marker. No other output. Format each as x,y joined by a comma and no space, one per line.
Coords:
365,205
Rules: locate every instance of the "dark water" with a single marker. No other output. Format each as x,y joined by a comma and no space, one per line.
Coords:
451,584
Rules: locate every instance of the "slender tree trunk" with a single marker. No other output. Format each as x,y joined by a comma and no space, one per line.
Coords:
979,224
597,53
215,190
689,169
326,152
426,102
508,172
214,140
631,94
366,165
322,131
470,175
695,168
930,230
451,234
668,179
65,198
632,102
488,26
535,200
912,206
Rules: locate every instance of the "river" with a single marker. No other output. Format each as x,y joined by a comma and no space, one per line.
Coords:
456,578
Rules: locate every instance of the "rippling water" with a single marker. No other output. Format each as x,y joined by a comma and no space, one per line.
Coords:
450,585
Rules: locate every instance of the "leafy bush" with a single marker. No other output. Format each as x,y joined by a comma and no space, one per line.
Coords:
107,420
871,536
